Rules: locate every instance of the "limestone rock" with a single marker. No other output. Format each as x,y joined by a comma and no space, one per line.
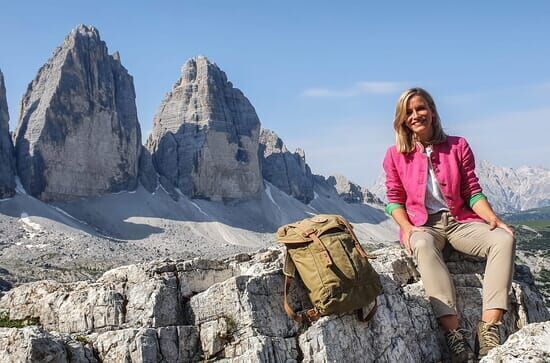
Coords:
78,133
205,136
199,274
530,344
351,192
7,160
167,344
33,344
231,310
247,319
403,329
129,296
144,295
287,171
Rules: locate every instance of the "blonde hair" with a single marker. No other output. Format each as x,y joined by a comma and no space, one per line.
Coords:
405,140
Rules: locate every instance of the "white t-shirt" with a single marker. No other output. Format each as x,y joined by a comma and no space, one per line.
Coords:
434,200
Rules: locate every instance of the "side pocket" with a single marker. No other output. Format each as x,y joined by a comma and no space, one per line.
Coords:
343,268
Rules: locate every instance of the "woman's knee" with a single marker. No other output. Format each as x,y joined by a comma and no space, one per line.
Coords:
423,243
504,242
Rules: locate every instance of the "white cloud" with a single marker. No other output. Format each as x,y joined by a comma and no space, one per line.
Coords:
359,88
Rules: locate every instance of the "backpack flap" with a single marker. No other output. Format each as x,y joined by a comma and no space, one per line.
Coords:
301,232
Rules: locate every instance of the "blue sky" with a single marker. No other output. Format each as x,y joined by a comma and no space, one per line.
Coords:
324,75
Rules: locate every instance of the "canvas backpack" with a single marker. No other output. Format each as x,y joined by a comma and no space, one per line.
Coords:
333,266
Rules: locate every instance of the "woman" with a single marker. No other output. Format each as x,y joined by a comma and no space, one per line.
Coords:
435,197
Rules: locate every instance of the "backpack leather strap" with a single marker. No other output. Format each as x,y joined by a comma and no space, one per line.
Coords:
369,315
358,246
309,316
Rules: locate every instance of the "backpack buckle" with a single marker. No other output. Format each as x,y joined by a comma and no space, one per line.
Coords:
308,232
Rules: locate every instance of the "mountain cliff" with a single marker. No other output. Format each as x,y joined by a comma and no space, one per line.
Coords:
287,171
512,190
7,161
205,136
78,134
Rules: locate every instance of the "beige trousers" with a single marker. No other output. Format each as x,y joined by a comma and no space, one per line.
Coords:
472,238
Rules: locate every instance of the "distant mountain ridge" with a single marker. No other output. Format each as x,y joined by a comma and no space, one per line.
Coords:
508,189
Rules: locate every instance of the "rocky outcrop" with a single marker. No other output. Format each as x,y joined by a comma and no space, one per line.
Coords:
34,344
7,161
205,136
287,171
231,309
530,344
78,133
351,192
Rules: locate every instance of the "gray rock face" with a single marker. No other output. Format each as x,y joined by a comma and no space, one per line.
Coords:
530,344
148,176
205,136
33,344
168,344
351,192
287,171
347,190
7,160
232,310
78,133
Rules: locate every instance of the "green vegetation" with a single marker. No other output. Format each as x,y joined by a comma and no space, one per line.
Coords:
231,327
534,242
82,339
6,322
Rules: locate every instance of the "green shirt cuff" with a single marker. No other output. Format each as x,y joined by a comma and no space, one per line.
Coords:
390,207
476,197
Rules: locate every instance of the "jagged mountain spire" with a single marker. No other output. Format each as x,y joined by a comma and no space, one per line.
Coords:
205,136
287,171
78,133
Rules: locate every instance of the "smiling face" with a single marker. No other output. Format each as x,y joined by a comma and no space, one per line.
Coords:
419,118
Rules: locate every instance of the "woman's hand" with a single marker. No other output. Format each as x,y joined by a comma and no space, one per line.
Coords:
407,232
497,222
483,209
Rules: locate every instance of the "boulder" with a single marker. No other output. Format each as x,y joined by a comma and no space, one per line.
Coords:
529,344
35,345
78,134
204,140
287,171
7,160
167,344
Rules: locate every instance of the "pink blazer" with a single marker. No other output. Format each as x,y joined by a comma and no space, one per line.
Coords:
454,165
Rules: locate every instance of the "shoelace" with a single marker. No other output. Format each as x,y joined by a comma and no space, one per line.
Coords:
489,334
455,339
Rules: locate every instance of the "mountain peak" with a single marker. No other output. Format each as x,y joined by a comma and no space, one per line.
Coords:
82,99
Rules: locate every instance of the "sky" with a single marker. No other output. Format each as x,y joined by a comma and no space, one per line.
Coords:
324,75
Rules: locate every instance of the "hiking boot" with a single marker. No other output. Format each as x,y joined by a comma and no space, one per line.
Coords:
459,347
488,337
